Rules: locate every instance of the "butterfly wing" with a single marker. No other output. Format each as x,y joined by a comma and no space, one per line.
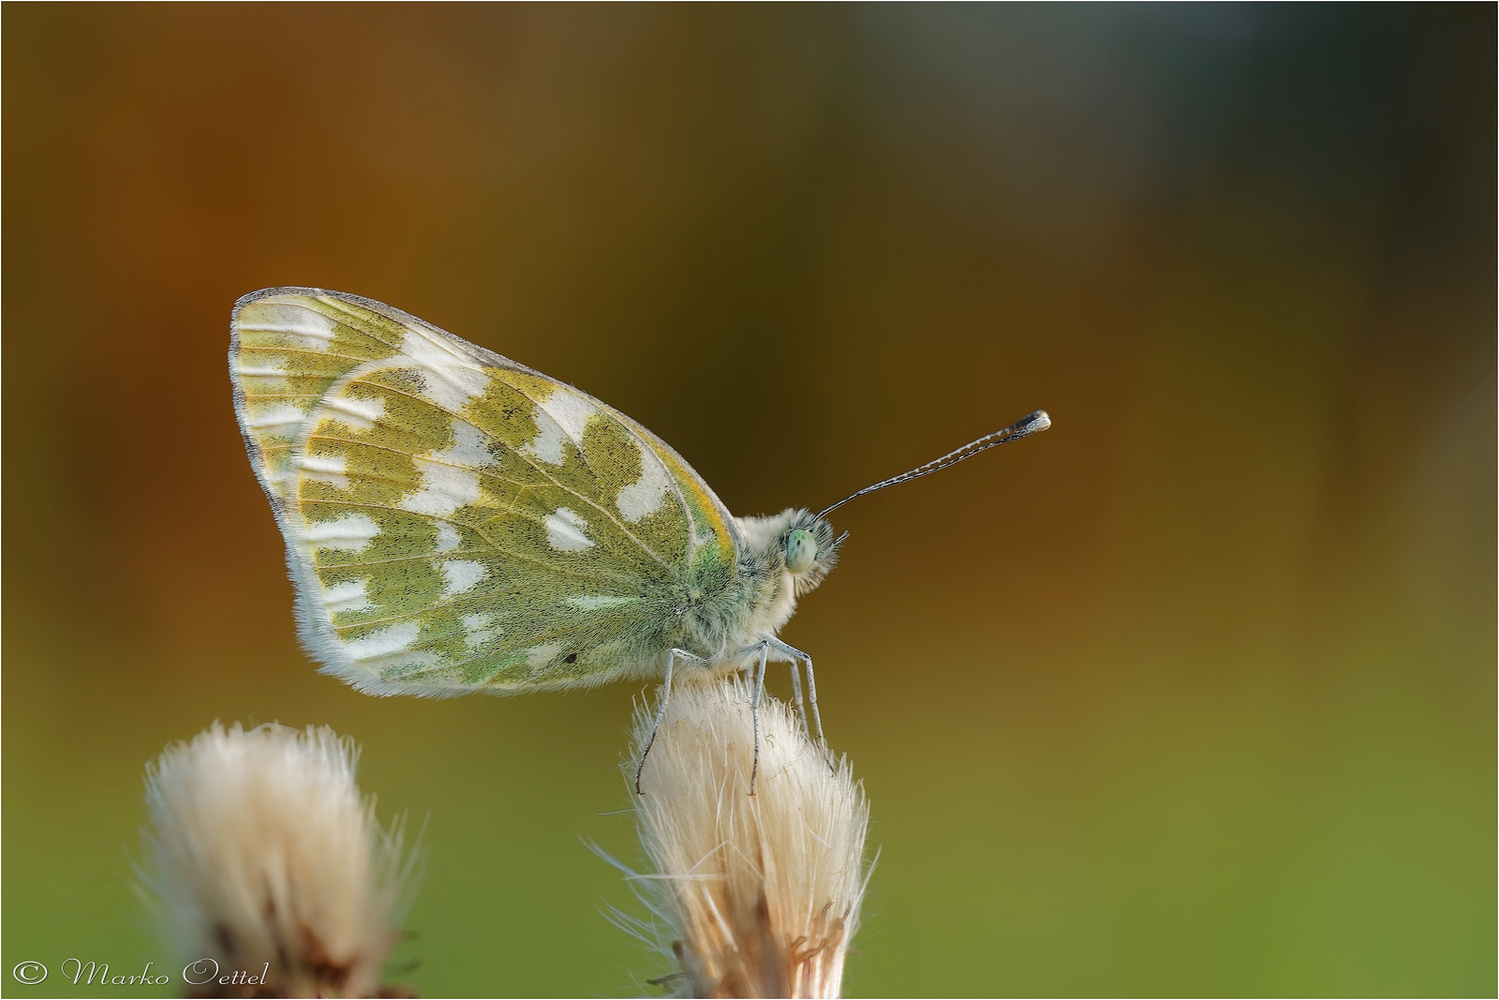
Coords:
455,521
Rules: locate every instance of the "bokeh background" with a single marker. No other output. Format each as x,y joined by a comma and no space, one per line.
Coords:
1194,694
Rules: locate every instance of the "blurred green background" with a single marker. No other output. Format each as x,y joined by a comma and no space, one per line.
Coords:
1194,694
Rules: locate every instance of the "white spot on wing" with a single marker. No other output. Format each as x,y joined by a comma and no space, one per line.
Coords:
396,639
351,531
592,602
447,537
262,371
352,595
559,421
444,490
565,531
432,350
540,656
571,411
460,575
358,414
645,495
548,444
279,415
304,326
451,379
450,478
329,469
468,448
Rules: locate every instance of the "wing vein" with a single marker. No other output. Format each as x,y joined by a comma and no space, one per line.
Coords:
596,506
523,457
521,557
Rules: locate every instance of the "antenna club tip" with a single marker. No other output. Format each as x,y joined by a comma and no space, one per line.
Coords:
1041,419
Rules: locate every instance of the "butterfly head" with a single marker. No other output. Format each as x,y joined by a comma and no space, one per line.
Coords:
808,548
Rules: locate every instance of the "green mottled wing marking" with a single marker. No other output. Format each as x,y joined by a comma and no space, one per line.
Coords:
287,350
455,521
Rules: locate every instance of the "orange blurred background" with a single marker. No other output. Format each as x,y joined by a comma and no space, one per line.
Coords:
1193,694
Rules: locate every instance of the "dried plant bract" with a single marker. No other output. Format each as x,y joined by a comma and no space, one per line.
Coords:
761,891
267,861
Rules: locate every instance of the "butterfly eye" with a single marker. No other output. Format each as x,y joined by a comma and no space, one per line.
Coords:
801,550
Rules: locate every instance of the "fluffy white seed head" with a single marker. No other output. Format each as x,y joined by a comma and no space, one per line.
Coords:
262,850
762,891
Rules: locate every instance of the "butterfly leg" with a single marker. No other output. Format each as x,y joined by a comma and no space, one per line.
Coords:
816,715
661,709
755,711
796,693
785,652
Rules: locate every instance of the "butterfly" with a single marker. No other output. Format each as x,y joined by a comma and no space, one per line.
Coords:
457,522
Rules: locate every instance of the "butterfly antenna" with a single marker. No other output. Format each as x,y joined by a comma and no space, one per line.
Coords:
1033,423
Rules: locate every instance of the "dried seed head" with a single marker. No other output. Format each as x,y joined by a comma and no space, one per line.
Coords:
762,891
263,852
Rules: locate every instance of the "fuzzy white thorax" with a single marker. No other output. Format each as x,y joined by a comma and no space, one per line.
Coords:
762,891
262,850
763,534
